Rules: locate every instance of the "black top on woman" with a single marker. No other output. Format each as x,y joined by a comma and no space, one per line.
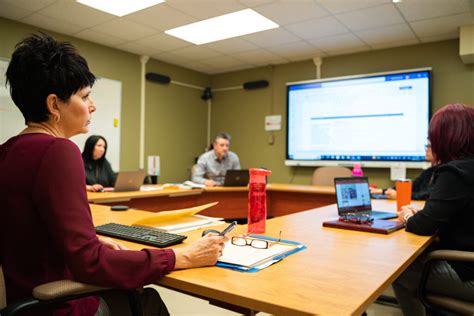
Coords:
99,172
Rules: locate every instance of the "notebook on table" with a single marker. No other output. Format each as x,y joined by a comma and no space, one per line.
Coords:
353,196
378,226
128,181
236,178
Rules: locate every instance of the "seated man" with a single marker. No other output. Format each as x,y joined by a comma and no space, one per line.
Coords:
212,165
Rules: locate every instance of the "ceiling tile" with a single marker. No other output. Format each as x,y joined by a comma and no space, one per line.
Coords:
196,52
295,51
378,16
443,25
339,43
161,17
99,37
255,3
75,13
201,67
259,57
171,58
13,12
317,28
394,33
340,6
134,47
285,12
271,38
28,4
414,10
347,51
162,42
205,9
395,44
439,37
124,29
51,24
222,62
231,46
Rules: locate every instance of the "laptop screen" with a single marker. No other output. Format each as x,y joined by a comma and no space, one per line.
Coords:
352,194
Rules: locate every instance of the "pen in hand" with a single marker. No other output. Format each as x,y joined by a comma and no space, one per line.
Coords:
228,228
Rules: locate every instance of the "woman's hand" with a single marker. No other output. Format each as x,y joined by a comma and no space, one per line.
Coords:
375,190
112,244
391,194
406,212
203,252
94,188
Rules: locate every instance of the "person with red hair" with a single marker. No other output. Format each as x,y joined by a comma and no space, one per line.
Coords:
448,212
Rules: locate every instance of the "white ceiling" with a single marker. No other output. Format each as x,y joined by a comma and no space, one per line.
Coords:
309,28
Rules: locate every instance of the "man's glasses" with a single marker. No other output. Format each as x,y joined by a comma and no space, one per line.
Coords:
253,242
357,218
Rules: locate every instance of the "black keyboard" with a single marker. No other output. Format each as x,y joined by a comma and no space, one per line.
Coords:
141,235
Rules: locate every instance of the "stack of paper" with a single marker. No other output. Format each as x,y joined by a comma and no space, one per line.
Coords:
180,220
247,257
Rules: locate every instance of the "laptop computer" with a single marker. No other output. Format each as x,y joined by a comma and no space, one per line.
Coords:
236,178
353,196
128,181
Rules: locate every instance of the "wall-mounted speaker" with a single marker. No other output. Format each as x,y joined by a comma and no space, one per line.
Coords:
157,78
252,85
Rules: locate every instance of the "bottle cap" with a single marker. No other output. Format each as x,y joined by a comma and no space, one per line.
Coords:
258,174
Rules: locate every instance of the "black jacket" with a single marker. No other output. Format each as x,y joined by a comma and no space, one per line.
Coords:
422,185
100,173
449,211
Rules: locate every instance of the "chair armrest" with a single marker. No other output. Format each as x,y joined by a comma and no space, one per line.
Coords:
437,255
62,288
452,255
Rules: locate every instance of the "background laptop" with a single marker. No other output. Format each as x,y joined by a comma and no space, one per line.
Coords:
129,181
236,178
353,196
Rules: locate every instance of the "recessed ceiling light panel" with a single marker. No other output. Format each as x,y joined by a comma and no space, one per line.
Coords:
120,7
222,27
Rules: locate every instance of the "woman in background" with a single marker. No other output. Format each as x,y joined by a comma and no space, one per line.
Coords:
422,185
99,173
46,228
448,212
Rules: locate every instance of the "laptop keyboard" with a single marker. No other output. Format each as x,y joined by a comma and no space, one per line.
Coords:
141,235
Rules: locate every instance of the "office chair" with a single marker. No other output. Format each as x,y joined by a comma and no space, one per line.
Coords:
57,292
326,175
442,303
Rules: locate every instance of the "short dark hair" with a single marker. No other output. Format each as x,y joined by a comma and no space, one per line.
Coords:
222,135
87,153
451,133
41,66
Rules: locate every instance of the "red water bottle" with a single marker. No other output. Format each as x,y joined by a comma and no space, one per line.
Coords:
257,203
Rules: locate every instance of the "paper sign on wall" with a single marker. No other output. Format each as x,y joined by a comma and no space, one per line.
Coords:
273,122
398,171
154,165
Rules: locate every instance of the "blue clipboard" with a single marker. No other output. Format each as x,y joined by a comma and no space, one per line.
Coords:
276,259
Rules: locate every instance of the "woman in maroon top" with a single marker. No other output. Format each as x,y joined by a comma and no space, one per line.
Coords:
46,231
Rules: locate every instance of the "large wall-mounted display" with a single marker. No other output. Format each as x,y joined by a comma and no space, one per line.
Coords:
377,119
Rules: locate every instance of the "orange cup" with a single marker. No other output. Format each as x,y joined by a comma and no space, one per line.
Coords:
403,187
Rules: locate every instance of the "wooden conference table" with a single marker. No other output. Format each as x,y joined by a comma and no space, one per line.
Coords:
340,273
282,199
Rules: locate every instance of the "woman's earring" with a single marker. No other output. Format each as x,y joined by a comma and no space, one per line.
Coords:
57,118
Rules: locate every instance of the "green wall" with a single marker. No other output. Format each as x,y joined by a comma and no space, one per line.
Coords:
242,112
176,117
